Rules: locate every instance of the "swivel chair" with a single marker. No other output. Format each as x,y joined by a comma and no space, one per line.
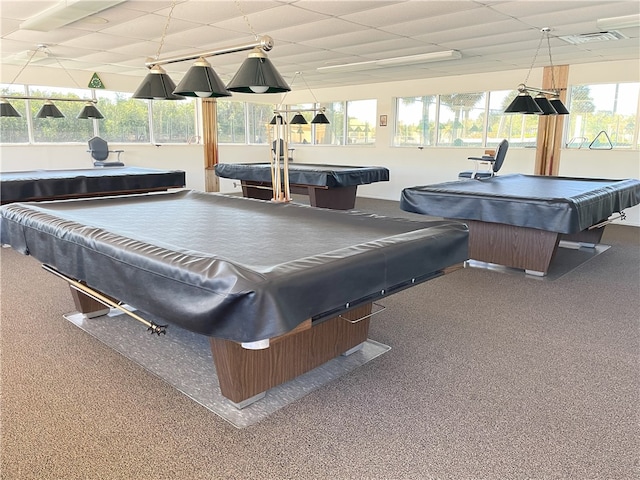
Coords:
273,150
99,149
493,164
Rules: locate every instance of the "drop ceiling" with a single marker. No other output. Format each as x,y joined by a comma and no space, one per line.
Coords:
309,34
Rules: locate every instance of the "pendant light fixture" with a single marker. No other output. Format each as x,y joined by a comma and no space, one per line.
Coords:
157,84
48,110
277,120
256,75
540,105
298,118
90,111
320,118
202,81
7,110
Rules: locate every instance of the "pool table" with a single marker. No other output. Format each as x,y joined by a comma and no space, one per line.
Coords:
518,220
328,186
38,185
237,270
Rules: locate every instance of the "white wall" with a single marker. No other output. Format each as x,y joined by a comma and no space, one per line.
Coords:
408,166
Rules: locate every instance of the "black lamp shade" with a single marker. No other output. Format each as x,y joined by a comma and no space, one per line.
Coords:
7,110
320,118
201,81
157,85
49,110
523,103
258,75
279,119
545,105
558,106
90,111
298,119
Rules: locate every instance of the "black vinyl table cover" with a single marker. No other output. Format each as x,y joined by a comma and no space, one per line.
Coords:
331,176
227,266
34,184
558,204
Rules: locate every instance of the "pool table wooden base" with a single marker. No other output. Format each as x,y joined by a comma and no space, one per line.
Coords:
244,374
528,249
338,198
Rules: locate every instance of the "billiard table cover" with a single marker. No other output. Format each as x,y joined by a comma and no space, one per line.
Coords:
557,204
227,266
331,176
37,184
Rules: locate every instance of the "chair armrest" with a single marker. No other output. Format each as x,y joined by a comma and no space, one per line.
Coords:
484,158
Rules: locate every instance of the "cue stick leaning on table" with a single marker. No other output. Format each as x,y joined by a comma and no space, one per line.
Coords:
97,296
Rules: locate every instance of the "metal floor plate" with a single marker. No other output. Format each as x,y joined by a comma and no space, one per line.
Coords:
184,360
570,255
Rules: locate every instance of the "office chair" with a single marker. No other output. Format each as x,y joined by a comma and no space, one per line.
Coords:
273,150
99,149
493,164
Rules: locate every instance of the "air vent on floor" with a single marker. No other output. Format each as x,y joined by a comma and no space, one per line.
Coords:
593,37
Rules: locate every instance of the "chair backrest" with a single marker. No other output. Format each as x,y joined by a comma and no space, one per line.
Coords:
99,148
275,144
501,152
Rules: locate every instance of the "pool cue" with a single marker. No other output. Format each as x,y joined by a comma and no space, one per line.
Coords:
621,216
272,163
285,159
97,296
278,172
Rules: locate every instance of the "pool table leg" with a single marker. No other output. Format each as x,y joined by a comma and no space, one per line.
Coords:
340,198
244,373
528,249
257,190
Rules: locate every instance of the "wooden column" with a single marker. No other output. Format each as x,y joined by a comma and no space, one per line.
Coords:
550,126
210,139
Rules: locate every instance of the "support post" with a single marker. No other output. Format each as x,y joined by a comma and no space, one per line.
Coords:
210,139
550,126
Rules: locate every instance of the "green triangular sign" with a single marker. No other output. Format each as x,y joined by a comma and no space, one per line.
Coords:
95,82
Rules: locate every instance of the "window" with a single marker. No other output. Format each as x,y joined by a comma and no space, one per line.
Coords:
519,130
415,124
361,121
14,129
301,133
125,119
173,121
603,113
231,124
460,119
259,117
333,132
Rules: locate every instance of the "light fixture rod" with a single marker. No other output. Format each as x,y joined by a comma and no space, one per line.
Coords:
298,110
265,42
524,88
85,100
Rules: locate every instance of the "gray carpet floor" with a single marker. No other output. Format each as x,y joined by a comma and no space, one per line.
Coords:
490,376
